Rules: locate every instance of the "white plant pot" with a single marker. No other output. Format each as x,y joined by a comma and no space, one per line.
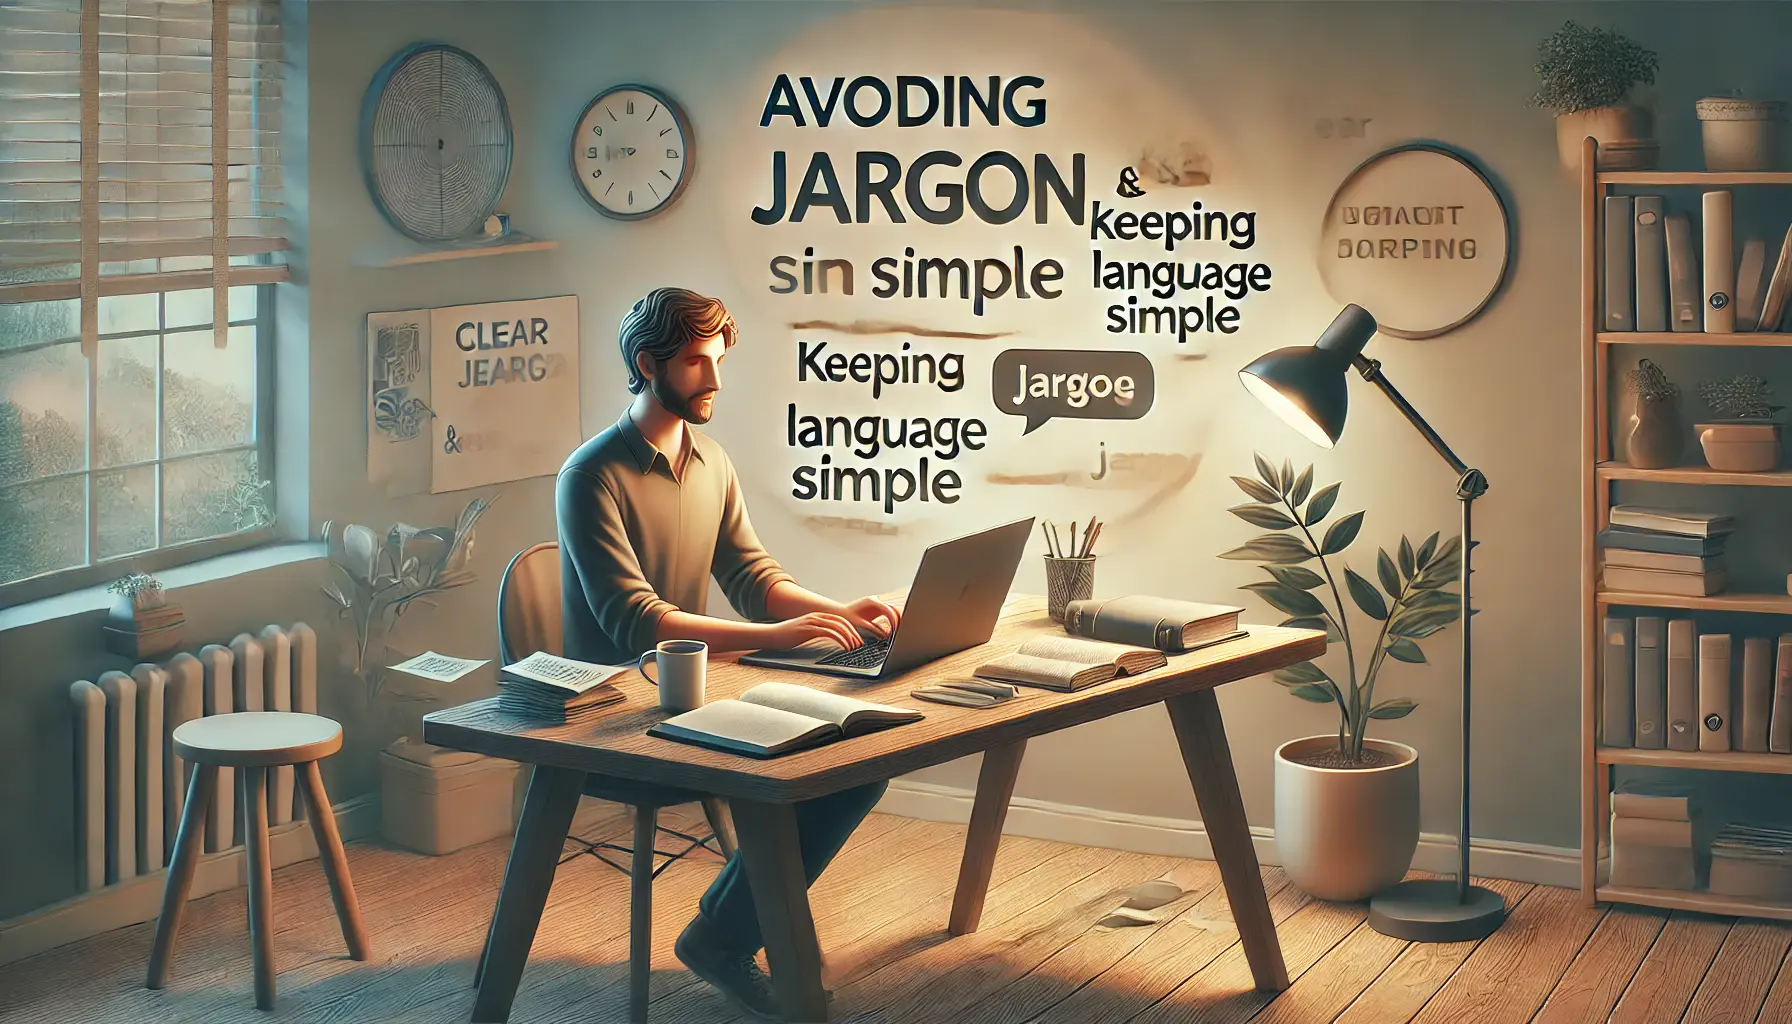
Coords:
1344,833
1741,135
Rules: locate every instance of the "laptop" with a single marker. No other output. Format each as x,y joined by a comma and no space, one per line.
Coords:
954,603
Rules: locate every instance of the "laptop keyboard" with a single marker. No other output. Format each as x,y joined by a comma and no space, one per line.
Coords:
869,654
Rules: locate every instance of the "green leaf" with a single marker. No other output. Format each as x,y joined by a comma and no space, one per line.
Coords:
1305,672
1433,598
1367,597
1407,567
1302,485
1262,515
1256,490
1286,599
1272,547
1321,505
1316,694
1399,707
1426,549
1449,549
1403,649
1298,577
1339,535
1384,568
1422,623
1286,480
1308,622
1267,473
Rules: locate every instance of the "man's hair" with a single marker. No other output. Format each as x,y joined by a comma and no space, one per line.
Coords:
667,320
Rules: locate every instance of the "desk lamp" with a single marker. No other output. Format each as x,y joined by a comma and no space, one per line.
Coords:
1305,385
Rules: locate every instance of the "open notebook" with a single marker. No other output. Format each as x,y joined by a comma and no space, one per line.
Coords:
1070,663
776,718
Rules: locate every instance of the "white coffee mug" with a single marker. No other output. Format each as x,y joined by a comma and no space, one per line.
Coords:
681,665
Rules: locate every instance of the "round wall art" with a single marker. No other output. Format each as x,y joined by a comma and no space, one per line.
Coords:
1418,236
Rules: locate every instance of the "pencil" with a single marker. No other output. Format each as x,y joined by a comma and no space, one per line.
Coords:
1058,547
1088,536
1043,532
1089,541
1073,547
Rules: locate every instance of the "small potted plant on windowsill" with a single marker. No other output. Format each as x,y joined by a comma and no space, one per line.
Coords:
143,623
1586,77
1745,438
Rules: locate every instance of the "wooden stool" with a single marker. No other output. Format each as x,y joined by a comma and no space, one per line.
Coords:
253,742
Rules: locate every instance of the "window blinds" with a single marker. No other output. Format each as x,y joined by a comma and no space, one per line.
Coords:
131,160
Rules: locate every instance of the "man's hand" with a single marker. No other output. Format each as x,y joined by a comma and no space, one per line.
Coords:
812,626
870,615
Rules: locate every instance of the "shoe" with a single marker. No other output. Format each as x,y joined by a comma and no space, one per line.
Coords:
747,988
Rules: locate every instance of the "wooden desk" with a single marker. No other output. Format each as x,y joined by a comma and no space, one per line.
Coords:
761,792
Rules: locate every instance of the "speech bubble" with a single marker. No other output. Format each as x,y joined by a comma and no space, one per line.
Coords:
1085,384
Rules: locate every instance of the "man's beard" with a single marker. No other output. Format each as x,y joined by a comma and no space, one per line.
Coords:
677,404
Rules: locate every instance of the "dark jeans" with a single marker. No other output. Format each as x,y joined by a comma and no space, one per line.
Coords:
822,827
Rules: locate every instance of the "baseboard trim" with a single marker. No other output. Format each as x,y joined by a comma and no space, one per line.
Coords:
140,899
1176,837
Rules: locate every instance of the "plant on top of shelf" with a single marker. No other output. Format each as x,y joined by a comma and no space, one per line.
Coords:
1586,77
1743,397
1656,439
1745,438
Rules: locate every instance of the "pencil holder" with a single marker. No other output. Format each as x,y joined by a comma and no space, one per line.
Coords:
1067,580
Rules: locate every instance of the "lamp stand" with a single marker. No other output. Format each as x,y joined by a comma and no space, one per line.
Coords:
1438,910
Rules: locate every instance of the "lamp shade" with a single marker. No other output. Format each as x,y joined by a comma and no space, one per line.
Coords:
1305,384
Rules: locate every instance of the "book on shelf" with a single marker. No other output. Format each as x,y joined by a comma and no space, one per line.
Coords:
1720,263
1629,558
1651,682
1618,695
1651,265
1162,623
1751,284
1651,831
1757,695
1779,288
1070,663
1664,543
1683,522
1657,581
1753,861
1619,268
772,719
1685,293
1683,686
1714,692
1635,865
557,690
1779,719
1660,800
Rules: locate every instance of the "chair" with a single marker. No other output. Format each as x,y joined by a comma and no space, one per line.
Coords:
254,743
530,620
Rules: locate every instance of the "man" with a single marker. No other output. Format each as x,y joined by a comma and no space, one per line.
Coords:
648,511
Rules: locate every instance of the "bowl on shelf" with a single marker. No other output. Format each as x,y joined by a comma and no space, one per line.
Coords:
1740,447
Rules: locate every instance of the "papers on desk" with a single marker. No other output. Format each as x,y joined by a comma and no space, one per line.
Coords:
557,690
440,668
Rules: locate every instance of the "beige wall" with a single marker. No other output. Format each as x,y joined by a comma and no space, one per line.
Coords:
1250,80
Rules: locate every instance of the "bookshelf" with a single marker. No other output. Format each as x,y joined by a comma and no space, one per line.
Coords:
1601,472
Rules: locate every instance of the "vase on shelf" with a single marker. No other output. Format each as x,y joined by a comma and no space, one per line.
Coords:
1656,439
1740,446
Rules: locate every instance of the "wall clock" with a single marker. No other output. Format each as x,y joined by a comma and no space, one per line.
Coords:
631,152
435,142
1419,236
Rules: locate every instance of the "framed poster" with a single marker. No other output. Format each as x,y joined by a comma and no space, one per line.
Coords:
1418,236
504,390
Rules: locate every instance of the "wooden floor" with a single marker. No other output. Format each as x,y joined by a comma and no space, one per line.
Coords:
881,914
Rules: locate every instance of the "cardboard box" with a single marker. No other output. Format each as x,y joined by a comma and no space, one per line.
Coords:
436,800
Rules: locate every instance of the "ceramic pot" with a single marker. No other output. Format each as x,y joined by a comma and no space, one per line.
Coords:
1346,833
1656,440
1741,135
1740,447
1623,134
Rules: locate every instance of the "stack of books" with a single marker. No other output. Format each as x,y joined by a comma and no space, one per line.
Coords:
1665,550
1652,838
1752,861
144,632
557,691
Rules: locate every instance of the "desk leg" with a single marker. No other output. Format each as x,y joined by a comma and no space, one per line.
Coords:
534,854
1202,736
774,861
995,784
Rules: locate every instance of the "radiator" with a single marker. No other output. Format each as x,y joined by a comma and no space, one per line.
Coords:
129,785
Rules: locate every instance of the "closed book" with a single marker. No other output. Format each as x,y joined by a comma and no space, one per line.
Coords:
1653,867
1618,691
1750,877
1685,294
1165,624
1651,831
1719,265
1619,266
1651,682
1655,581
1757,695
1651,265
1627,558
1685,522
1714,692
1779,288
1779,727
1683,686
1655,540
1751,284
1652,800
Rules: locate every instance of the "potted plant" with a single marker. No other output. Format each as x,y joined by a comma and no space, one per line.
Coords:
1656,440
1744,437
1586,76
142,623
1347,807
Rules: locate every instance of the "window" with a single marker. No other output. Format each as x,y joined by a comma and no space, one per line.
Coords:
139,243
